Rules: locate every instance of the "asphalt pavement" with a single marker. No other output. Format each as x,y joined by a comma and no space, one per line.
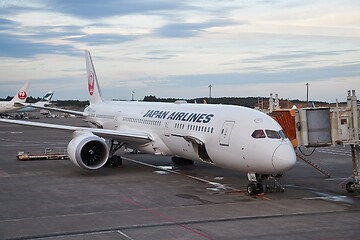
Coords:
150,198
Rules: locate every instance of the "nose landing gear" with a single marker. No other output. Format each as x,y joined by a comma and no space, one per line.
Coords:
256,187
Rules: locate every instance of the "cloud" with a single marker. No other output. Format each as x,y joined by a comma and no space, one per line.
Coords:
17,47
103,39
186,44
6,24
23,42
92,9
285,76
159,55
53,32
293,55
185,30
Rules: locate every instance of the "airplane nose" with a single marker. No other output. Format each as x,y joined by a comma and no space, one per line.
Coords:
284,158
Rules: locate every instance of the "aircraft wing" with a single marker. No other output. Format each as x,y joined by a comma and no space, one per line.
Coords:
54,109
124,136
18,104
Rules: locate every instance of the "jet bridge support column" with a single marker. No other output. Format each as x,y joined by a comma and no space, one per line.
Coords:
354,185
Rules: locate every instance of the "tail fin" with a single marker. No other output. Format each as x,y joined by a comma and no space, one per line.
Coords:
45,101
47,97
93,85
21,95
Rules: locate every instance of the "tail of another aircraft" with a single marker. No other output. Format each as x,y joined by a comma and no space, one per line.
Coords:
93,85
47,97
45,101
21,95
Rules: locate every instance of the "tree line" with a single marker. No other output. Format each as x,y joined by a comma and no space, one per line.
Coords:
239,101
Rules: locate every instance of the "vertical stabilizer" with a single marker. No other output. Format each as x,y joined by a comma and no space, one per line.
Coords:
93,85
47,97
45,101
22,94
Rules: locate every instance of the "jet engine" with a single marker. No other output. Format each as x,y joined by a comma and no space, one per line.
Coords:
88,151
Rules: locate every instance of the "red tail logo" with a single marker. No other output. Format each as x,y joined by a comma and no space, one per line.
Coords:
22,95
91,83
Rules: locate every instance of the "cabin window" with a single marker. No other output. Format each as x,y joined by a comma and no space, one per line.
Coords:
258,134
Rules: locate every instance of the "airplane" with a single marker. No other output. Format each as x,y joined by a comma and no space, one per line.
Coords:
232,137
43,102
16,102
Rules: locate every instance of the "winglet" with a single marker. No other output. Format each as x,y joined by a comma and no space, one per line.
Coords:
21,95
93,85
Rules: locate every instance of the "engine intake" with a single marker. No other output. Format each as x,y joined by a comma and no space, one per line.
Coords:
88,151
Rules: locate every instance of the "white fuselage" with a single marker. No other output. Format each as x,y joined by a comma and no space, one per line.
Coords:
217,134
8,106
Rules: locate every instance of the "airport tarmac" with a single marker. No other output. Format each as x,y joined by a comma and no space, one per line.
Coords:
149,198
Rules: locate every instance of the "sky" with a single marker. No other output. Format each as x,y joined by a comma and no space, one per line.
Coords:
178,48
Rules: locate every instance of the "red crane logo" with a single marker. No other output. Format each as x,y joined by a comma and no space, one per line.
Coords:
91,83
22,95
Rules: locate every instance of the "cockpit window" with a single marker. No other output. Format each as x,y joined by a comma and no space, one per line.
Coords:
258,134
269,133
276,134
282,134
273,134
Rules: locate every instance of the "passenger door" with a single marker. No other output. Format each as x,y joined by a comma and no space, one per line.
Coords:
167,129
226,132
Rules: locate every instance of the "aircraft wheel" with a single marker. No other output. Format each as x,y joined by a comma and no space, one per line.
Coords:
251,189
117,161
189,162
259,188
107,164
181,161
349,188
176,160
113,161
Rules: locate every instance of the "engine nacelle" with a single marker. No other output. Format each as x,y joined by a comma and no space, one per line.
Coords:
88,151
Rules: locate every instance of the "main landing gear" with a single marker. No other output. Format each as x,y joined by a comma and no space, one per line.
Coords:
256,187
114,160
181,161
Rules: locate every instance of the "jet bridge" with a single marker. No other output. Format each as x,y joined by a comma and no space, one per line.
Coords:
321,127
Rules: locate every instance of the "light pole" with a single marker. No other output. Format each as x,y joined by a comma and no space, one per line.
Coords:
210,86
307,94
